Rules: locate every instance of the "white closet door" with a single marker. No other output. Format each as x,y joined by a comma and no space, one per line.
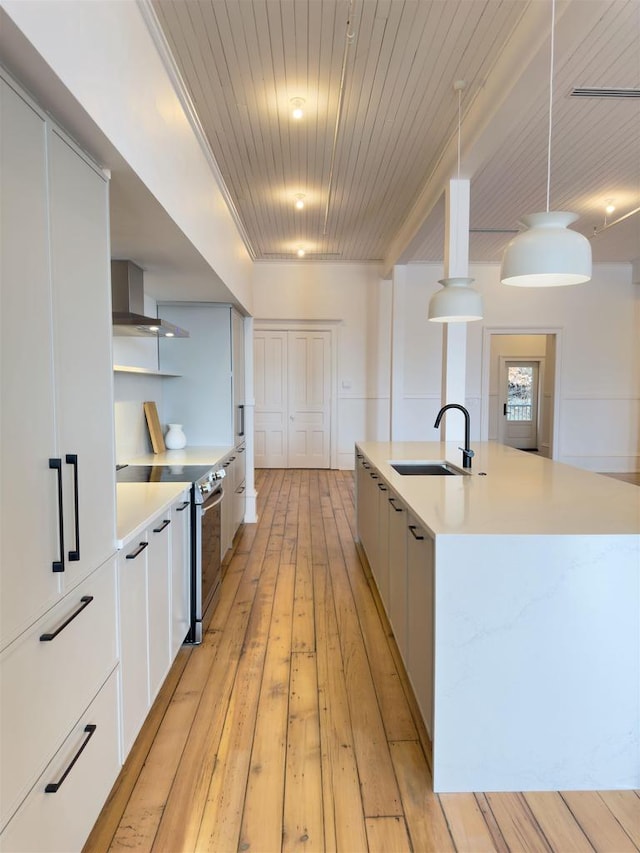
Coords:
271,405
292,378
309,399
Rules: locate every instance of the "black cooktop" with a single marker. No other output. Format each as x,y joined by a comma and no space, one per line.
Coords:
161,473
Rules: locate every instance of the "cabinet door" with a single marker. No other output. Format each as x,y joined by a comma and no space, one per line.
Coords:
82,357
29,542
397,607
240,488
382,577
420,619
369,536
61,820
159,612
132,603
200,398
237,365
180,573
227,506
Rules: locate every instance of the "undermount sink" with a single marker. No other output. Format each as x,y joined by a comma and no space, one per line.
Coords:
428,469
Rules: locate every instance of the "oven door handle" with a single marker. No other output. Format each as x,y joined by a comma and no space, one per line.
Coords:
207,506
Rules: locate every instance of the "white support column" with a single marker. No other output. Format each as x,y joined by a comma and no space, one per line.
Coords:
396,392
250,513
454,335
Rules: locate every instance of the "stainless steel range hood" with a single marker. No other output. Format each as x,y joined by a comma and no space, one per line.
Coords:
127,297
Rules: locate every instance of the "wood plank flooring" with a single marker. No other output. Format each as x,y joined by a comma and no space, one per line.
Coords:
292,727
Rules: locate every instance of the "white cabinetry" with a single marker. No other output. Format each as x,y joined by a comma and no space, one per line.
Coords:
396,603
239,480
134,631
419,657
57,399
159,602
180,574
153,603
237,343
57,543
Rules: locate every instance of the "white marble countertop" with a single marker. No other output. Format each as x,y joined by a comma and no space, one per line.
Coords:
139,503
507,492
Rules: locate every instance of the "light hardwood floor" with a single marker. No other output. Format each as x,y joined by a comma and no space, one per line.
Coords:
293,728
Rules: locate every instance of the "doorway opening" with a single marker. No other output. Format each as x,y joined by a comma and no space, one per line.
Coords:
520,388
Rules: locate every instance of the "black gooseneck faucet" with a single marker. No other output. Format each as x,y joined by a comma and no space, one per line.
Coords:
467,452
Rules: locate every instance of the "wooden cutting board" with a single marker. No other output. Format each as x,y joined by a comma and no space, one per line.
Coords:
153,424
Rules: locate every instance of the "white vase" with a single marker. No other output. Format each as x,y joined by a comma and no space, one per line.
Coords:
175,437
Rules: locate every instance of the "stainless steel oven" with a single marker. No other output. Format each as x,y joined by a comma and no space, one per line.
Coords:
206,549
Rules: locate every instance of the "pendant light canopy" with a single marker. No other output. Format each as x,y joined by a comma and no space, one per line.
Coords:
547,253
457,302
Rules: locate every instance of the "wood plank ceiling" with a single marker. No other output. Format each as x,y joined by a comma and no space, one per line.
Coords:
242,61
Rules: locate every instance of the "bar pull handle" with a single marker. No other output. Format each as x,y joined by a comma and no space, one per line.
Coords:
58,565
392,501
85,601
373,476
413,528
52,787
72,459
138,550
183,506
382,488
165,523
504,409
241,407
241,449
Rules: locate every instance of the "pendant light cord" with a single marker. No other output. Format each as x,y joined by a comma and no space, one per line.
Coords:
553,30
459,121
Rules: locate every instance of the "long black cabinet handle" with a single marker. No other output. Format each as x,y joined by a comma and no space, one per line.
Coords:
58,565
382,488
138,550
183,506
72,459
241,449
90,730
85,601
165,523
413,529
241,407
392,501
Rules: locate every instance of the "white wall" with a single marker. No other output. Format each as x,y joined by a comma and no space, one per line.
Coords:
355,296
599,360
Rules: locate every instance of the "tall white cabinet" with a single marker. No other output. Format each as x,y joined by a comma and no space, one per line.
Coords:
57,480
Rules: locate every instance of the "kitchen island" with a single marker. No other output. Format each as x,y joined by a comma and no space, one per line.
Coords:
513,591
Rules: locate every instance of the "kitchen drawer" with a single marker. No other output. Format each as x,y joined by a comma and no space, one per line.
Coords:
46,684
62,820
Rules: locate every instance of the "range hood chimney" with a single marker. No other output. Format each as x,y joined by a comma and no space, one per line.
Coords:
127,297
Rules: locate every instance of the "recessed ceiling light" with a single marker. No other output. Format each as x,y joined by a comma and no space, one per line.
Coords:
297,108
169,335
610,206
300,253
299,201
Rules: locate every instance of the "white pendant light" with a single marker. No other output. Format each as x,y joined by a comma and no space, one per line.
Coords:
547,253
457,302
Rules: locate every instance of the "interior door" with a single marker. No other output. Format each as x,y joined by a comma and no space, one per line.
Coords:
292,383
520,385
309,399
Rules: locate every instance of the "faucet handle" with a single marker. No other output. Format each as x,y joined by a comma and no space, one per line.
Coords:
468,453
